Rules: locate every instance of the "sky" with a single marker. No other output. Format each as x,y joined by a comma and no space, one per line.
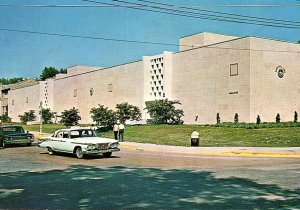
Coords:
26,54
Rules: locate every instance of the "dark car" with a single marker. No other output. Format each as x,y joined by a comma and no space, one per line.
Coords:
14,134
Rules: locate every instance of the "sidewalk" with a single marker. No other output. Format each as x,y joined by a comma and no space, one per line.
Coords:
289,152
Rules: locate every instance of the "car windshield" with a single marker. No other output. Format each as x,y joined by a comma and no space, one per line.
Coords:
12,129
82,133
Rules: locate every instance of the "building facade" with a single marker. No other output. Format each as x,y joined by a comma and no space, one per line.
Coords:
210,74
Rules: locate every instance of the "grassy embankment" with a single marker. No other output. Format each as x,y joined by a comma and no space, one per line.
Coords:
225,134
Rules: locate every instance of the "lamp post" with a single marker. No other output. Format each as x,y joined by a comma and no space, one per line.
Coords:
41,119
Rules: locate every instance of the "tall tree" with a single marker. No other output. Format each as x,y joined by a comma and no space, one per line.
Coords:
14,80
48,72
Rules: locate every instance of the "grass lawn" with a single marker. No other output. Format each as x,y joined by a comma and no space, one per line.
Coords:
179,135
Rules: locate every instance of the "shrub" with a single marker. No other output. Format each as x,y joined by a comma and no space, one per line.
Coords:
218,118
5,118
258,121
27,117
103,116
164,111
126,111
277,119
47,115
70,117
236,118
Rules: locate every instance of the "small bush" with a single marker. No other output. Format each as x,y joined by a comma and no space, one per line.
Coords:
258,121
236,118
70,117
277,119
27,117
5,118
218,118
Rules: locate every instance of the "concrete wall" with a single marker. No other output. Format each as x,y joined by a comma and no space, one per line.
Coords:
107,87
202,82
271,94
202,39
23,100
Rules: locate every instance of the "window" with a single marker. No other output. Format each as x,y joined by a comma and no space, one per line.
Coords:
13,102
110,87
234,69
27,100
75,92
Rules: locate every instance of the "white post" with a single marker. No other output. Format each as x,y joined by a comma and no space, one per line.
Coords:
41,119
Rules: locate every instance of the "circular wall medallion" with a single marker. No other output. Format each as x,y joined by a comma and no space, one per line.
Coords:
91,91
280,71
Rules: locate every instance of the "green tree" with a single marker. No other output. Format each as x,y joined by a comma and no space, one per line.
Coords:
103,116
14,80
163,111
28,116
47,115
5,118
126,111
63,71
70,117
48,72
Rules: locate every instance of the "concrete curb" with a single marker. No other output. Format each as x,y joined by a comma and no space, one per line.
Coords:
290,152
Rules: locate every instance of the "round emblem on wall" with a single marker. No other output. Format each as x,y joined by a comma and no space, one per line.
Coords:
91,91
280,71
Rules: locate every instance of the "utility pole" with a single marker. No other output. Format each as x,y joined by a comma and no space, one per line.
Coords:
41,119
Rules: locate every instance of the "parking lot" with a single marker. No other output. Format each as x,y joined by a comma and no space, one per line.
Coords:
133,178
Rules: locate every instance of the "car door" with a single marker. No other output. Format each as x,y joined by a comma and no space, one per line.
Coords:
58,140
63,141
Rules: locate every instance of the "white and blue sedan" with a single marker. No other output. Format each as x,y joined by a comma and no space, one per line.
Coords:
79,141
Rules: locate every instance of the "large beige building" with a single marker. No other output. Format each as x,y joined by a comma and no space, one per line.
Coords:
210,74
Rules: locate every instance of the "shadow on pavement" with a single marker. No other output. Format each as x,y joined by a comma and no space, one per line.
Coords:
83,187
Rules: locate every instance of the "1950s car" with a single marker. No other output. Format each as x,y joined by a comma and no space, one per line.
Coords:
79,141
14,134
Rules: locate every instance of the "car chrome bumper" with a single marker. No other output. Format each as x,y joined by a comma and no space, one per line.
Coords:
87,152
19,141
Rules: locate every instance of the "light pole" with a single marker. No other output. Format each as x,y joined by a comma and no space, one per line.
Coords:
41,119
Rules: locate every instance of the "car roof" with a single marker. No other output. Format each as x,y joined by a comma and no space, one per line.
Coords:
4,126
74,128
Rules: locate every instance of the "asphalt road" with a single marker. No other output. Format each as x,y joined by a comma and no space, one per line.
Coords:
134,179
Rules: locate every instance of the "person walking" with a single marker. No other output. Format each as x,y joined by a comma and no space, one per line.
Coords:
121,132
116,130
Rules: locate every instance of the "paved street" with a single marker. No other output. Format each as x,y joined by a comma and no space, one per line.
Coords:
146,177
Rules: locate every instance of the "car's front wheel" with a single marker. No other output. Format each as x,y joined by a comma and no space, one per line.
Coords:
79,153
107,154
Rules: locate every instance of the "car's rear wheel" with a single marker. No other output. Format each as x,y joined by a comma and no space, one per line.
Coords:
107,154
50,151
28,144
79,153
